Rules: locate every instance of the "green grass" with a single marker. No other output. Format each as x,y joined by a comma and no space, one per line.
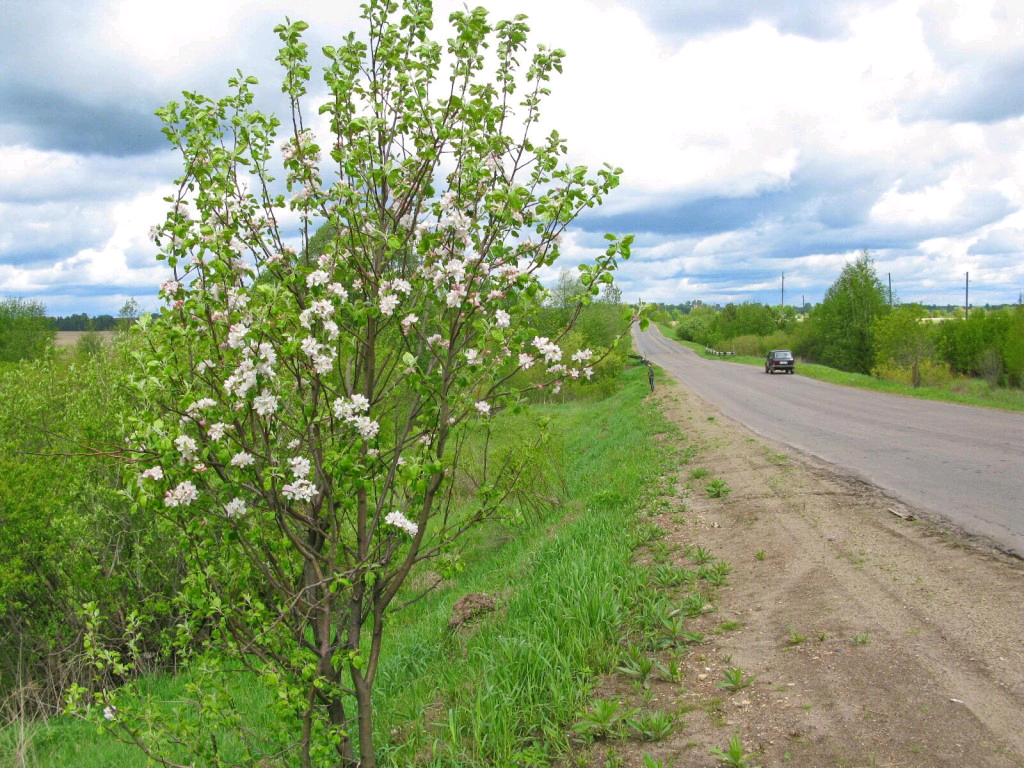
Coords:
507,690
963,391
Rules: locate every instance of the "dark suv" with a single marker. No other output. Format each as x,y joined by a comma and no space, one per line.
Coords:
779,360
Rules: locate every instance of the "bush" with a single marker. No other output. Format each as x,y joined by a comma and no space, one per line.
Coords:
931,374
759,346
68,534
25,330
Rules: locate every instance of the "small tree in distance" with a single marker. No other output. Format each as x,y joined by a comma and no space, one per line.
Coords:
903,339
308,405
25,330
839,330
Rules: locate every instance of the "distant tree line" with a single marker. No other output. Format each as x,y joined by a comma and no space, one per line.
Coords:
82,322
859,327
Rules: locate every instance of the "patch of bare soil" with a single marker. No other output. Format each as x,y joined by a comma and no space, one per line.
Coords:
70,338
874,639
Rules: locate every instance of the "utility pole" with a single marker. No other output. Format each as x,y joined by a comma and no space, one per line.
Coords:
890,289
967,294
782,303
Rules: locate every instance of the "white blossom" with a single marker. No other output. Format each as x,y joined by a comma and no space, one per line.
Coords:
300,466
300,490
182,495
216,431
199,405
400,521
236,335
235,508
454,296
310,346
388,304
186,446
501,318
322,364
265,403
367,428
483,407
582,355
237,299
242,380
317,277
242,459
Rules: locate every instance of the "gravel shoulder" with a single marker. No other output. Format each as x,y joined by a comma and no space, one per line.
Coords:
878,635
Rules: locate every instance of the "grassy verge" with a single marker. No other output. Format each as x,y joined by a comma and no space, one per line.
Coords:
507,688
964,391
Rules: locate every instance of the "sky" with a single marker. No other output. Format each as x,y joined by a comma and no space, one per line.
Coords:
764,143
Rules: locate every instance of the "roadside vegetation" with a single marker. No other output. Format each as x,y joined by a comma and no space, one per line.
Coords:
579,586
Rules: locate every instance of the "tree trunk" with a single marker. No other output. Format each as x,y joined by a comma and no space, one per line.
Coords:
364,706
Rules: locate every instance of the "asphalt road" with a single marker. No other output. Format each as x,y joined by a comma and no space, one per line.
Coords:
961,462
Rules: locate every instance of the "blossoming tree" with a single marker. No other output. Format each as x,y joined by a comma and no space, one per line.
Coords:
309,402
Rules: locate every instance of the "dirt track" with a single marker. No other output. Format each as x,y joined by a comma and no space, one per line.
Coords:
875,640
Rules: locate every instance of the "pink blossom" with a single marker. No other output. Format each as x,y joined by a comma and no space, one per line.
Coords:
483,407
551,351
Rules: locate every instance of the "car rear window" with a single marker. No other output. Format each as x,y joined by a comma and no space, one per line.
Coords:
782,355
